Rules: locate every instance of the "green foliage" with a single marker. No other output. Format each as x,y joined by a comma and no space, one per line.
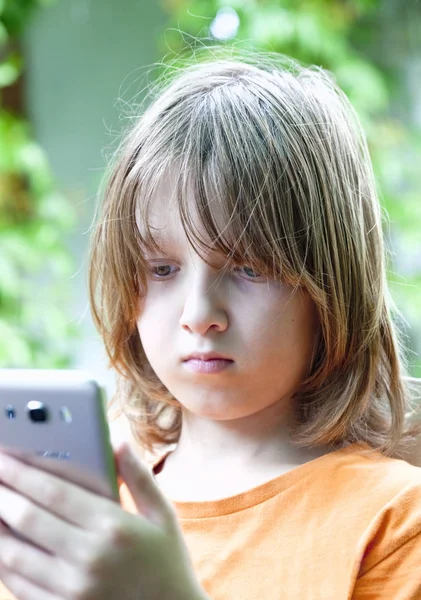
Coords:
34,218
15,14
335,34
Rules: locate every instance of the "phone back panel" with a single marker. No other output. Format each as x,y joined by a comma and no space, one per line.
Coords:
73,442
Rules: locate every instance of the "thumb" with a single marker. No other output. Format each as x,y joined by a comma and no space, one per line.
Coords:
147,497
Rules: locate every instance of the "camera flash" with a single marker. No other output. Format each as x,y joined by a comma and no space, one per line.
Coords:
65,414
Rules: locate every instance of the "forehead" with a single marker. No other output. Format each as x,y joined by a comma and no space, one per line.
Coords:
162,219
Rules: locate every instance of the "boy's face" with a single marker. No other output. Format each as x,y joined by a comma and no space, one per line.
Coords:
265,329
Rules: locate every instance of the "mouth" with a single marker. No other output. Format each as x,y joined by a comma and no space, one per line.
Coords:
207,363
206,356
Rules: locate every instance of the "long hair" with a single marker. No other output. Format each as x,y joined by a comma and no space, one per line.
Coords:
276,149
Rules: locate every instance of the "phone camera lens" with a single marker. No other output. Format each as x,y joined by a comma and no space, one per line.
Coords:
10,413
38,412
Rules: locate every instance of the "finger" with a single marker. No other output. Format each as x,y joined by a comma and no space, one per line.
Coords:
67,500
148,498
23,589
43,528
33,564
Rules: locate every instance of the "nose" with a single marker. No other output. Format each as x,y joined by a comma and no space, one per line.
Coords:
204,307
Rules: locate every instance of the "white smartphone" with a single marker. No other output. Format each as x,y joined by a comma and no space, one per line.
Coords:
56,420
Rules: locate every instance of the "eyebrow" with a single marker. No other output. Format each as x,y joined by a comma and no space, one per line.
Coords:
163,240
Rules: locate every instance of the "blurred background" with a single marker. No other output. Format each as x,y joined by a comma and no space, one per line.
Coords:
69,70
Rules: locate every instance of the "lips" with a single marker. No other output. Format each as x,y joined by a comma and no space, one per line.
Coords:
207,363
205,356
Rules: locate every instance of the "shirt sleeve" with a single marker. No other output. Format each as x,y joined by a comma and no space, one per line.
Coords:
397,576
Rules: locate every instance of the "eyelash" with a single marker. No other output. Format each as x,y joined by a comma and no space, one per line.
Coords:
164,277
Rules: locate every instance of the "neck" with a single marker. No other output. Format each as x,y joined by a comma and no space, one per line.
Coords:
255,442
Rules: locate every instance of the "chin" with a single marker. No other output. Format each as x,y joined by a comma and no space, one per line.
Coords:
216,409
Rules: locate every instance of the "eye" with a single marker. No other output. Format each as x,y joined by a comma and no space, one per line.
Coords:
162,271
249,272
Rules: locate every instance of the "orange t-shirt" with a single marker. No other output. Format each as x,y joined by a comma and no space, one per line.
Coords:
344,526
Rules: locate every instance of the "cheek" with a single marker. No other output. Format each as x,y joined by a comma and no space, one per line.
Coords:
305,330
152,344
304,320
153,325
296,325
147,325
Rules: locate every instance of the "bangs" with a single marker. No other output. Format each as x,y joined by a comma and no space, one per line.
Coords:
230,177
217,223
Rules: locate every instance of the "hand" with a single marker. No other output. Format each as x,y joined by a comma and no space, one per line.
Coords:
81,546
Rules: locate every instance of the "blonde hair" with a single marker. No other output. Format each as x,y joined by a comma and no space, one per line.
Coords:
277,149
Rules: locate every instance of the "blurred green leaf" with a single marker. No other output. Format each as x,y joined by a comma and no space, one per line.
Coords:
364,84
3,33
10,70
237,5
14,350
9,277
17,13
272,26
